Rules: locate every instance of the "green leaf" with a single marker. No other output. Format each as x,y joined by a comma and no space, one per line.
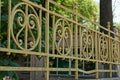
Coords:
15,76
13,64
4,62
1,4
2,74
4,17
10,73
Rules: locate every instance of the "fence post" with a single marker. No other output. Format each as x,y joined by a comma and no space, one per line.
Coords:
109,49
47,40
9,25
76,40
96,47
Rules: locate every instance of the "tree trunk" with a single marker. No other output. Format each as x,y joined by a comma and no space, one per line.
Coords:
106,14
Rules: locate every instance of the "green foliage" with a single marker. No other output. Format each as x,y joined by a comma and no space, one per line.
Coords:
117,25
8,63
1,4
8,73
87,8
5,59
4,21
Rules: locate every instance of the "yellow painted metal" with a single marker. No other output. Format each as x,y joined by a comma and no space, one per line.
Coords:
76,41
47,40
69,37
96,50
9,18
110,66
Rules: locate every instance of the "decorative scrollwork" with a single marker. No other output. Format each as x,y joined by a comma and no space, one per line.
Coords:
115,51
63,34
25,26
103,47
87,44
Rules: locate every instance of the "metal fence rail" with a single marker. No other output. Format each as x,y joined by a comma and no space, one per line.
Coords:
45,31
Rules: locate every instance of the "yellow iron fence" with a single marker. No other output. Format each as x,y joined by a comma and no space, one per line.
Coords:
65,34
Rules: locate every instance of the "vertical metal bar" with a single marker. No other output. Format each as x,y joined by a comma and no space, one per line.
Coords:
47,40
53,30
96,48
63,43
57,65
97,73
9,24
109,49
70,64
87,54
96,52
83,66
26,28
40,18
72,26
80,41
76,41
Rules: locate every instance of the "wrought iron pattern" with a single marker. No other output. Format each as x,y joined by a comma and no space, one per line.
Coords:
115,51
63,36
103,48
87,44
28,23
70,38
